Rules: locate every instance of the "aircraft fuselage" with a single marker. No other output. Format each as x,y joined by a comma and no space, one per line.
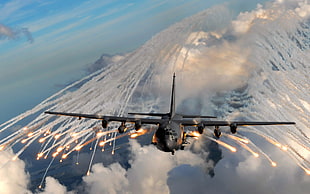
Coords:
169,136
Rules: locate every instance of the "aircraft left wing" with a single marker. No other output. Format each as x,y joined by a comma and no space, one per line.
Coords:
107,118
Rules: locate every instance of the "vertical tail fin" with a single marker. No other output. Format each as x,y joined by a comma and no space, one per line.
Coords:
172,102
172,105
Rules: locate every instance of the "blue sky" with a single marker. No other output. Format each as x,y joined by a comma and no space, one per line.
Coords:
49,43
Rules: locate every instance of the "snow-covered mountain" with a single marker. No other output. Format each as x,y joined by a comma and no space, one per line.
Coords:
254,67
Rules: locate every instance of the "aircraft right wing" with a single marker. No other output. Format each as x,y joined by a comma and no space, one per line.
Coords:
229,123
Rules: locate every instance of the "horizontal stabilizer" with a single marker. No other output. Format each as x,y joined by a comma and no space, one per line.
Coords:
149,114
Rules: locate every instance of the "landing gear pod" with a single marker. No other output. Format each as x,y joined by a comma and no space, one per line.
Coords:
104,123
122,128
200,128
217,132
138,125
233,128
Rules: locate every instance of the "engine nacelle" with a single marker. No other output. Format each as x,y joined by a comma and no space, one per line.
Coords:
200,128
104,123
138,125
233,128
122,128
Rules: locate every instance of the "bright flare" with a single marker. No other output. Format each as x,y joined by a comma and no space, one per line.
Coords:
78,147
99,134
59,149
231,148
256,155
14,158
134,135
101,143
55,154
140,130
246,141
41,140
40,155
273,164
57,136
284,148
138,133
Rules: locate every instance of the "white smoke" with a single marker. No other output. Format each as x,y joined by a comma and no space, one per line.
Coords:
13,179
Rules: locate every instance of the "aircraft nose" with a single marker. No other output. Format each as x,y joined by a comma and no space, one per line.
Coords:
169,144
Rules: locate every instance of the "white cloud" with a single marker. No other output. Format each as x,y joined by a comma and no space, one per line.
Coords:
245,20
111,179
284,9
13,178
52,186
149,171
304,9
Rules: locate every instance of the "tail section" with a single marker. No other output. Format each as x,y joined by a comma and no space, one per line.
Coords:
172,105
172,101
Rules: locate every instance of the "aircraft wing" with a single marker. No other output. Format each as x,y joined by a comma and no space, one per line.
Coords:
228,123
108,118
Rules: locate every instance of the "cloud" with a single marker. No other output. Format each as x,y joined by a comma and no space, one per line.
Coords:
52,186
13,179
6,31
303,10
246,20
256,175
9,33
283,10
187,179
111,179
149,171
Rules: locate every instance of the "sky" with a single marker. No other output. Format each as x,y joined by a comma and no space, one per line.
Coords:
48,43
45,45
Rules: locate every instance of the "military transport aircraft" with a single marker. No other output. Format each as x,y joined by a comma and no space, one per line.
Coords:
170,135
